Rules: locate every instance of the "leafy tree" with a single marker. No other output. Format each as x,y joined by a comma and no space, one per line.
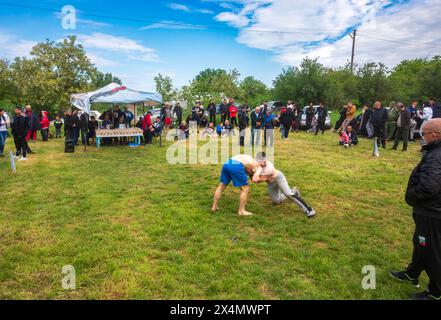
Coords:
55,71
302,84
7,89
103,79
405,80
254,91
164,86
213,84
430,77
373,83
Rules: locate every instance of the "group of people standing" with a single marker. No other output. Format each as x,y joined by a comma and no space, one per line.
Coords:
262,120
395,124
24,126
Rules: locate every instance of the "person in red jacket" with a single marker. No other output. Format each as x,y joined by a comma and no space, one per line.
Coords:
44,122
232,112
147,127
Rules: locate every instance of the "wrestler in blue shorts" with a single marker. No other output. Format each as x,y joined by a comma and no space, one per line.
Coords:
236,170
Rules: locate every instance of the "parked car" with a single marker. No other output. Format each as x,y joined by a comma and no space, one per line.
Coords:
303,118
276,105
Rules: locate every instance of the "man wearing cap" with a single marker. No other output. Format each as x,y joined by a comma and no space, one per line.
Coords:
236,170
424,195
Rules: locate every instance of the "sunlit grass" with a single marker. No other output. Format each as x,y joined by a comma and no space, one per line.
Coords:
135,227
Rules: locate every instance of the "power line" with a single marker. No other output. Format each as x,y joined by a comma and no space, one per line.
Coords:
179,24
400,41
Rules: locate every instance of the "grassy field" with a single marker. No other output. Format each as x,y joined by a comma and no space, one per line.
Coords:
135,227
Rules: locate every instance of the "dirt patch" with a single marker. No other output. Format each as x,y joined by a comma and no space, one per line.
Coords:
267,293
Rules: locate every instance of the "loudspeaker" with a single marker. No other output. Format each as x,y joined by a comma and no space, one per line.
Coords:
69,146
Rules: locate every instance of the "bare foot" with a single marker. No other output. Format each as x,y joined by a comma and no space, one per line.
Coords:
215,208
245,213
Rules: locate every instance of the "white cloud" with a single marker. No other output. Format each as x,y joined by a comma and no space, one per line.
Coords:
100,61
179,7
182,7
93,23
235,20
11,47
171,24
228,6
318,28
131,48
239,17
204,11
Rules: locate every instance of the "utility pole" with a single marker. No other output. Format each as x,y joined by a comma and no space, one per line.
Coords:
353,35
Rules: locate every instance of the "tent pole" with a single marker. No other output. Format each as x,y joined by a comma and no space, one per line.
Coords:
136,112
86,132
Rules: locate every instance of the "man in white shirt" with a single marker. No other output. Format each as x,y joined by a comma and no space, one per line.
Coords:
426,115
278,187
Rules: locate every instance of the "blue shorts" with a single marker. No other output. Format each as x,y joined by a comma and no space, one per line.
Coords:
234,171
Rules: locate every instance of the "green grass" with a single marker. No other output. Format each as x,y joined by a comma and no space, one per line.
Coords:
135,227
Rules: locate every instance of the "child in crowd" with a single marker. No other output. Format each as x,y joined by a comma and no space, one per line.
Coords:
228,128
106,124
183,127
220,128
352,135
344,139
58,124
208,131
93,125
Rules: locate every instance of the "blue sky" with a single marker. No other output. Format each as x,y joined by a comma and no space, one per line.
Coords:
135,40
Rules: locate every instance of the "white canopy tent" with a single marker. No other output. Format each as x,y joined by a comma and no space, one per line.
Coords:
114,94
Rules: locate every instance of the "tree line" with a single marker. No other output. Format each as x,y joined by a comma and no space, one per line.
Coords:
312,82
55,70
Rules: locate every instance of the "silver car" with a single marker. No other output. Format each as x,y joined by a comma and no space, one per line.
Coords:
303,118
